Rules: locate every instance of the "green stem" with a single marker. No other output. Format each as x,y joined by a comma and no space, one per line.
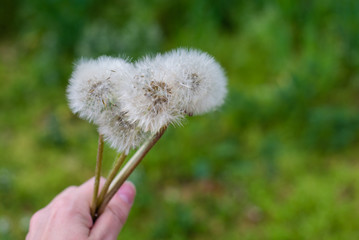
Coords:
97,176
111,176
129,168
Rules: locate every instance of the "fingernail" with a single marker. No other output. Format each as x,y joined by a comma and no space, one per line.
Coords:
127,192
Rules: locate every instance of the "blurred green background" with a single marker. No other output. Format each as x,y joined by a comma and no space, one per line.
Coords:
278,161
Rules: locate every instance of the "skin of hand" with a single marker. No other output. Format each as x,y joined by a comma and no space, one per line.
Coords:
68,215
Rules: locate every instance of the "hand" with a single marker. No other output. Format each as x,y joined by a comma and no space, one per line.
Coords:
68,215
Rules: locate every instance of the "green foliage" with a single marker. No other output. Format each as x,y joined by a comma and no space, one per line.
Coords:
278,161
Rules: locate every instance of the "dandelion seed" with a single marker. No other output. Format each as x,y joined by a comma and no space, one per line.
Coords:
94,86
119,133
200,80
148,98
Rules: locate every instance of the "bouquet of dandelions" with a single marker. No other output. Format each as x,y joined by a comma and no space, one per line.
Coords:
132,104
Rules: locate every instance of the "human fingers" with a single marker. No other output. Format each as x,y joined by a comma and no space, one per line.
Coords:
110,223
69,210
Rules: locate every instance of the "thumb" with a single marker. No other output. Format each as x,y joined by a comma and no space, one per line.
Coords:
111,221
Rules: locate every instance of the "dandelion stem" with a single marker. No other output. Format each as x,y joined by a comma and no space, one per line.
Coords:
129,167
97,176
110,177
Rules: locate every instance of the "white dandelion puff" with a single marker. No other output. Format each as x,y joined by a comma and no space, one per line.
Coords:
119,133
127,101
200,80
94,85
148,98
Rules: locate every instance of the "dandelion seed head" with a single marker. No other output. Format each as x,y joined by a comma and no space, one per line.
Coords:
148,97
118,132
199,80
94,85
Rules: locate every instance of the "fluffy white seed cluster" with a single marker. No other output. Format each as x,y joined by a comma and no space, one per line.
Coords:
150,98
128,100
119,133
200,81
94,86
